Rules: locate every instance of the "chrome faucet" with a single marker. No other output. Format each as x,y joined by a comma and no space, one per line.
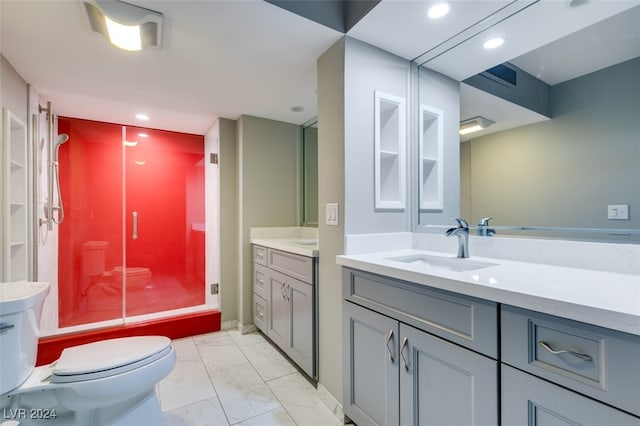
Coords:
483,229
462,232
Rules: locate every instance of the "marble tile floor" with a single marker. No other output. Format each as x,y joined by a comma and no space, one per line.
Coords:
226,378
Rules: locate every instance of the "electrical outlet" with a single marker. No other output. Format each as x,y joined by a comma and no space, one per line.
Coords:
618,211
331,214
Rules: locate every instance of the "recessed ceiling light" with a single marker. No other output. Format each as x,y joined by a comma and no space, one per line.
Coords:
492,43
143,117
438,10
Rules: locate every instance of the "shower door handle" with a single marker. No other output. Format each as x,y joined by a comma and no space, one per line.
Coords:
135,226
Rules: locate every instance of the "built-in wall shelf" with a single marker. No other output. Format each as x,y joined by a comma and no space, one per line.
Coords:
431,156
390,151
15,259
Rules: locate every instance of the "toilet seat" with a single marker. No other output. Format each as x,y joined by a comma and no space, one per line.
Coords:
108,358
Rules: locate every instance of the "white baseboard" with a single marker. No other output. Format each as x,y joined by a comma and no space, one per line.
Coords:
229,325
333,404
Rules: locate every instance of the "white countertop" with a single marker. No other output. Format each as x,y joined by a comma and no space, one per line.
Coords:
606,299
298,245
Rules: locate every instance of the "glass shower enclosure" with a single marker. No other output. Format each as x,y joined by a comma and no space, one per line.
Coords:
132,240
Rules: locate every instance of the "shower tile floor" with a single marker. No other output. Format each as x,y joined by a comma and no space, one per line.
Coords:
226,378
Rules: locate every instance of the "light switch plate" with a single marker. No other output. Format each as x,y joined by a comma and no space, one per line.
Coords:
331,214
618,211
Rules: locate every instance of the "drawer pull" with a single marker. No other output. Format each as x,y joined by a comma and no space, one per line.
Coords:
389,337
405,340
4,326
582,356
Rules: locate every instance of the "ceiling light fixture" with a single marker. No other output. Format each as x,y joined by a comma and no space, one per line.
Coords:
142,117
492,43
126,26
474,124
438,10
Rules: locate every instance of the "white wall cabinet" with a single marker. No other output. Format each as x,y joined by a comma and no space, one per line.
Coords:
390,151
15,255
431,158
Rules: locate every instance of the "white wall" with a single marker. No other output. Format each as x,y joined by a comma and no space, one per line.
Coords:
221,198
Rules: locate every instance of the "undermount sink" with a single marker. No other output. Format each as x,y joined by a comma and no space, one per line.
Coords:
310,242
447,263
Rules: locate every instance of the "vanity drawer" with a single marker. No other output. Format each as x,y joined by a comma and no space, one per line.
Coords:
595,361
260,274
260,255
467,321
260,313
294,265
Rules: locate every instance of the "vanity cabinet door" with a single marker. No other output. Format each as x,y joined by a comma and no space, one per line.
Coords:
300,341
444,384
371,394
278,309
528,400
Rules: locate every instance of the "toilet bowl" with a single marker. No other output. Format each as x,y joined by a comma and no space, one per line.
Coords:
110,382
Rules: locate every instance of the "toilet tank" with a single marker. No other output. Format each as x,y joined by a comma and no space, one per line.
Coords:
20,311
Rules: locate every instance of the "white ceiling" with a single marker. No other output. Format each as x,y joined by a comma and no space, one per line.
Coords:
219,59
224,58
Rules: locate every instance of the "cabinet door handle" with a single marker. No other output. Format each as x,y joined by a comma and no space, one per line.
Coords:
4,326
405,340
135,226
287,293
580,355
389,349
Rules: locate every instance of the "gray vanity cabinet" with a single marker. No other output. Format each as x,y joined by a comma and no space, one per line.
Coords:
559,371
284,303
530,401
399,374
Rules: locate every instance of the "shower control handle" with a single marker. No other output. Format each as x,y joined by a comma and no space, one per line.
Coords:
135,226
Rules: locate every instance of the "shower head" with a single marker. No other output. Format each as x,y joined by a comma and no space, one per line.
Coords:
62,138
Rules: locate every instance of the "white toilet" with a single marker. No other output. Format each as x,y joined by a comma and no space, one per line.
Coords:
111,382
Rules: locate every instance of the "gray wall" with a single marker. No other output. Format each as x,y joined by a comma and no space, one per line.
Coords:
565,171
331,182
366,70
268,182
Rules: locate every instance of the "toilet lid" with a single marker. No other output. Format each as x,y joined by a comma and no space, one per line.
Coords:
108,357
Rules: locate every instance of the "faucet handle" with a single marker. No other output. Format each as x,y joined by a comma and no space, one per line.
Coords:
461,222
485,221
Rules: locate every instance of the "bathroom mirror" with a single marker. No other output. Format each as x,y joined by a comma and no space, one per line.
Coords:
310,173
573,174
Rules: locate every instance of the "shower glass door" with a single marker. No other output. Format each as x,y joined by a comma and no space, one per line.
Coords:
164,216
132,241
